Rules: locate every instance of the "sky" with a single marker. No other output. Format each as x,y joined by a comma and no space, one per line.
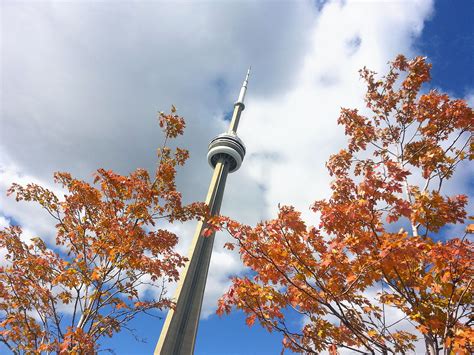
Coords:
81,82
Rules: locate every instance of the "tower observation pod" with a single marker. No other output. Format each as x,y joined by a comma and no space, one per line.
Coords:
229,147
226,154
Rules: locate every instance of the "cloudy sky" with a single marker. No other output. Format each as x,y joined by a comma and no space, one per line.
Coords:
81,82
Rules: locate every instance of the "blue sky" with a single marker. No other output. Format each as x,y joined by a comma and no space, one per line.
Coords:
81,82
447,40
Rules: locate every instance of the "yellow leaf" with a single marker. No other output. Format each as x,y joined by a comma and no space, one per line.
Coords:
95,274
351,278
470,228
372,333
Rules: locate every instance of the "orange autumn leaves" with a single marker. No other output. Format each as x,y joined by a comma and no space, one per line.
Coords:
345,275
110,242
341,277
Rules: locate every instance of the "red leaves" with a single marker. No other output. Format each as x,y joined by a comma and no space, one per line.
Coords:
328,273
207,232
333,349
172,124
181,156
77,341
358,128
111,251
433,211
339,163
250,320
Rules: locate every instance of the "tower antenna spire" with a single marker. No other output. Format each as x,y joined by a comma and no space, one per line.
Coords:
225,155
239,105
243,89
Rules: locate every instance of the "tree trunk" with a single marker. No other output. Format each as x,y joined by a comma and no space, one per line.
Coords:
430,343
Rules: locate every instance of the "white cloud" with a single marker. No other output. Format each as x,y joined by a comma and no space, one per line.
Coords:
29,215
84,81
4,223
470,98
300,126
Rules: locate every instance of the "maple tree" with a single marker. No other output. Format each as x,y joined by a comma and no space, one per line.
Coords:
63,298
344,276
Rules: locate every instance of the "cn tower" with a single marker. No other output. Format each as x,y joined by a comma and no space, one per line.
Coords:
226,153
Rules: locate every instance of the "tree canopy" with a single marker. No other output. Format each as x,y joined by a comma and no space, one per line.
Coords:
110,242
380,248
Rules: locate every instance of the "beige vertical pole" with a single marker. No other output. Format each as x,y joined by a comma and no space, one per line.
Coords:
178,334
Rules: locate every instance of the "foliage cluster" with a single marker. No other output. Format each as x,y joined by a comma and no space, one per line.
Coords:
108,247
344,275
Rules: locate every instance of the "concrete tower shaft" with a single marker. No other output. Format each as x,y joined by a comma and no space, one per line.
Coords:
226,153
